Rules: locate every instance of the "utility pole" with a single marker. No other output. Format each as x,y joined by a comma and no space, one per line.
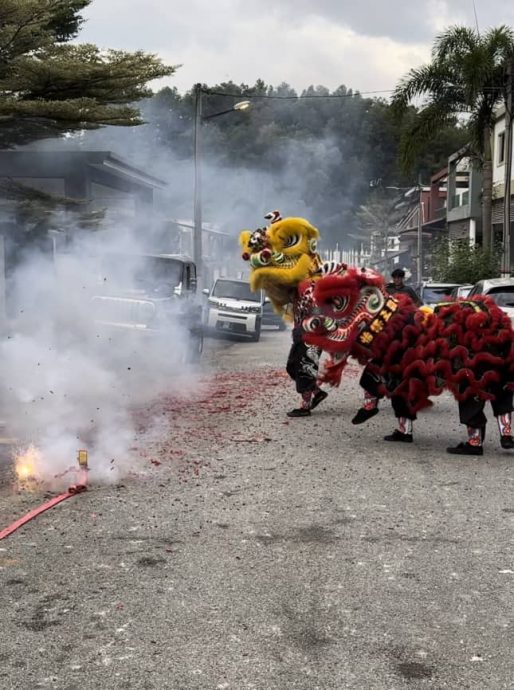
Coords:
506,267
197,202
386,255
419,262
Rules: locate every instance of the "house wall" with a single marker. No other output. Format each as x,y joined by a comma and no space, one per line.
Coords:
498,210
498,164
468,206
459,229
499,158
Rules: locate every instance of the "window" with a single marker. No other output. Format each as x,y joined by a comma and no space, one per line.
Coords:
433,295
233,289
501,148
504,296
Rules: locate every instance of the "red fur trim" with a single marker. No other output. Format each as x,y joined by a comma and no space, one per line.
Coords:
332,372
459,349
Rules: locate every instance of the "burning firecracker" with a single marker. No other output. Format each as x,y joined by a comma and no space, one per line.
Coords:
26,464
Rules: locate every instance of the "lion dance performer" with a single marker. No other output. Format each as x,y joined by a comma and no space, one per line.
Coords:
281,256
463,346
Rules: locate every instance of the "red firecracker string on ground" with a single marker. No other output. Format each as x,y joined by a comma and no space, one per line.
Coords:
72,491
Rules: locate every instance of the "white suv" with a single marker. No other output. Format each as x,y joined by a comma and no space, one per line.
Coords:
234,308
502,292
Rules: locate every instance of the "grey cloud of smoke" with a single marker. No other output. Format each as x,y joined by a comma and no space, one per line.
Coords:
236,196
66,382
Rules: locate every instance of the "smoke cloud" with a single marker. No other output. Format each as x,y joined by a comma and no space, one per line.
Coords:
68,382
71,381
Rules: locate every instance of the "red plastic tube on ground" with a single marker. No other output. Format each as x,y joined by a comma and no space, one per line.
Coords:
72,491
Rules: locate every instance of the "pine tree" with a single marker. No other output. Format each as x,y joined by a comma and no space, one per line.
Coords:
49,86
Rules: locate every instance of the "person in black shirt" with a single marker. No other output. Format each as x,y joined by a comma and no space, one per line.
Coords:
368,381
399,287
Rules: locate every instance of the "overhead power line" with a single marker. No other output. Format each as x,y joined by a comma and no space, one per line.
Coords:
476,17
301,97
295,98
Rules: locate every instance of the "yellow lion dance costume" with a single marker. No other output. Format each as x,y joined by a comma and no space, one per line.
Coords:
281,256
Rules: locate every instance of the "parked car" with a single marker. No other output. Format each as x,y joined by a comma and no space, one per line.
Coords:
233,308
461,291
432,293
270,316
148,293
501,290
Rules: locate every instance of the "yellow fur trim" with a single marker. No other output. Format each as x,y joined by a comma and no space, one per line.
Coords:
244,236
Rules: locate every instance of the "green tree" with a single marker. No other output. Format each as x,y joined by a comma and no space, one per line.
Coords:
466,75
459,262
49,86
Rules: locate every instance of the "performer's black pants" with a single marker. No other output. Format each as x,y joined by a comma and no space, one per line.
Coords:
302,365
371,383
471,411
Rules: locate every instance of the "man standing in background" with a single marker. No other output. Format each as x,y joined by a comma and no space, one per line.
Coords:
399,287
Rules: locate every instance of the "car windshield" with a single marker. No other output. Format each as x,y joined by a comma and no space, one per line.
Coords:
503,296
235,290
432,295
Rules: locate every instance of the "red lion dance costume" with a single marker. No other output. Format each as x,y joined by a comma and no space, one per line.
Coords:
464,346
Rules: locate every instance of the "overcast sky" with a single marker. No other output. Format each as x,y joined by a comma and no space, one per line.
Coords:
364,44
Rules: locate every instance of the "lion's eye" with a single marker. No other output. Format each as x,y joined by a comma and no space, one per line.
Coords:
291,241
339,303
374,302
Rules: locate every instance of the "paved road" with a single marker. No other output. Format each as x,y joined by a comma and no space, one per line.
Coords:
252,551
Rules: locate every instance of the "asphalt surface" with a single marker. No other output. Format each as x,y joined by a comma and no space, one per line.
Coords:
249,551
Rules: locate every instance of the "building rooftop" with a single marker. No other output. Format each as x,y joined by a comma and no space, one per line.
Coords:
103,167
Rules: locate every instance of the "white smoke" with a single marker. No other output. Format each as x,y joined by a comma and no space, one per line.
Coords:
69,382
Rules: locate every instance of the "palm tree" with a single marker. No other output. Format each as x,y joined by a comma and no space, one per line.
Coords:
467,76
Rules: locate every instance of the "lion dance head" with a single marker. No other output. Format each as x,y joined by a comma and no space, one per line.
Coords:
281,256
354,307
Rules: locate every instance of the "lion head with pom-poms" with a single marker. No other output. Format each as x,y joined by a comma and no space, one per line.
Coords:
281,256
465,346
350,300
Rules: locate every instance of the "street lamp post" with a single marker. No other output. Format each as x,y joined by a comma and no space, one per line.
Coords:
506,259
419,258
197,156
197,202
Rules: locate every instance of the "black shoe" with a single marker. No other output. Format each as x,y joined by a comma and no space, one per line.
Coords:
317,398
363,415
507,442
398,436
299,412
466,449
